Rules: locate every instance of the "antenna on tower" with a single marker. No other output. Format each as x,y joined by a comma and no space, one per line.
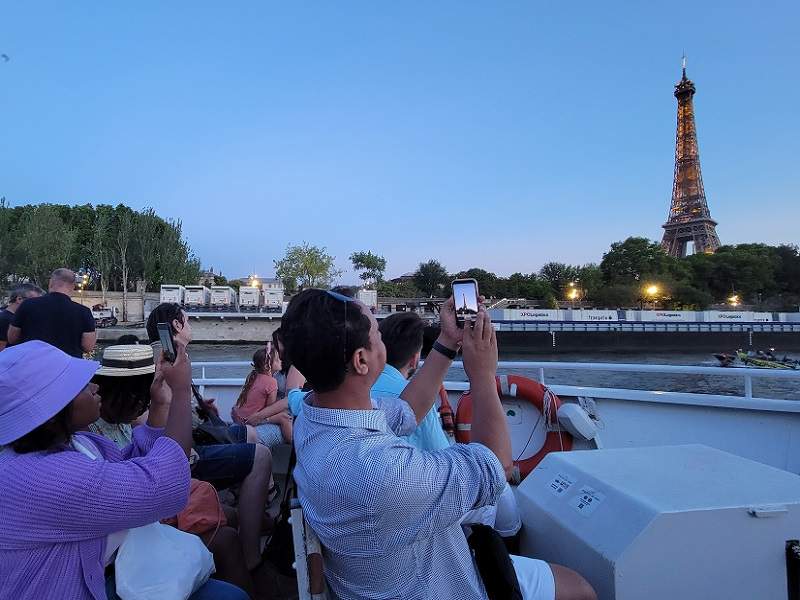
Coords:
683,64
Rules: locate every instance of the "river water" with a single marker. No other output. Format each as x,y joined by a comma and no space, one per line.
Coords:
710,384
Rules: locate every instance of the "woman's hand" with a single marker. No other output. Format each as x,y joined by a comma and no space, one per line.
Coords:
160,392
177,375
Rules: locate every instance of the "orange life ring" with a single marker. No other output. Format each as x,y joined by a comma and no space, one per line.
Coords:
532,391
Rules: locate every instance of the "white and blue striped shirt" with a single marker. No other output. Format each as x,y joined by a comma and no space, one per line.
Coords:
388,514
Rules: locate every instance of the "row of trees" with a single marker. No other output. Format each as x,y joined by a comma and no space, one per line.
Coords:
768,276
116,247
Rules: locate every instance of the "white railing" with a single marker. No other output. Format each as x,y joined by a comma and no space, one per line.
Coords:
747,374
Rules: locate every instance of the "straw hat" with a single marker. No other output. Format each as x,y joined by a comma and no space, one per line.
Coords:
127,361
36,382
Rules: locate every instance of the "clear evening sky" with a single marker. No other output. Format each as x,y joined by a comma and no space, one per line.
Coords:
500,135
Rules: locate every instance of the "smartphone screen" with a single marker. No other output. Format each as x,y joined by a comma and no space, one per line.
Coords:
165,337
465,294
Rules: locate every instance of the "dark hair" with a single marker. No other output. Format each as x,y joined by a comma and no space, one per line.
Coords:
165,312
23,290
54,432
127,339
277,343
124,398
260,364
320,334
346,290
402,334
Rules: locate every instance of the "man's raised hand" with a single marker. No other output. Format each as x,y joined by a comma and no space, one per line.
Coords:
480,350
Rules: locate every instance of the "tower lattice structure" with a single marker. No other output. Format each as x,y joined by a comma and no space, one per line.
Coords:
689,218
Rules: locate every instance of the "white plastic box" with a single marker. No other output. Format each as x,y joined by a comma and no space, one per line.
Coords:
661,523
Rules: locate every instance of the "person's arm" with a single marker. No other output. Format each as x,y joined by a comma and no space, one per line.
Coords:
423,389
14,335
88,342
178,376
263,415
489,425
160,401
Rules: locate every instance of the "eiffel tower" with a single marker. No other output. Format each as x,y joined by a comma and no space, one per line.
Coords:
689,218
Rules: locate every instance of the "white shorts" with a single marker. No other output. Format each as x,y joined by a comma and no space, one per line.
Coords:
535,578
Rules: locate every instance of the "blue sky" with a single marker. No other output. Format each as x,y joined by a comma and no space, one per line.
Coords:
499,135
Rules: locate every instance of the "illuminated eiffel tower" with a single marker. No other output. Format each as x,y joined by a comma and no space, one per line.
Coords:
689,218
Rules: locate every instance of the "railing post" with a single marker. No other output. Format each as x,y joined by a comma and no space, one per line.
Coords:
203,372
748,386
541,375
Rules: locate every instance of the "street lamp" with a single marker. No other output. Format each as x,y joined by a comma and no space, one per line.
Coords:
734,300
651,293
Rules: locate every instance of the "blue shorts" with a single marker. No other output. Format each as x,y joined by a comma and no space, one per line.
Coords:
224,465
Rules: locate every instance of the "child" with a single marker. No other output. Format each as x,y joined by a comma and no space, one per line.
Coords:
258,404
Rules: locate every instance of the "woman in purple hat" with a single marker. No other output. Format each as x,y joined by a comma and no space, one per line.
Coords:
69,498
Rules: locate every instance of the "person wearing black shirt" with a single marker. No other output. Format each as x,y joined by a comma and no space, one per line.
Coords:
16,297
56,319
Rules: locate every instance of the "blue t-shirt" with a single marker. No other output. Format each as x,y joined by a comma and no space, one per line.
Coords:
428,434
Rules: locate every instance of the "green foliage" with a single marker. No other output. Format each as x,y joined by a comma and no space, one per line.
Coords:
406,289
635,259
617,295
558,275
372,265
487,282
685,296
430,278
35,239
306,266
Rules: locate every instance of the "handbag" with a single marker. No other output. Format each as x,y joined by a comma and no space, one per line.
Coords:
280,547
212,430
203,512
494,563
158,561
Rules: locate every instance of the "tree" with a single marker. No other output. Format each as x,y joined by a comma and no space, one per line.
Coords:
430,277
44,243
405,289
618,295
590,277
687,297
101,249
125,226
558,275
6,241
307,266
487,282
372,265
634,260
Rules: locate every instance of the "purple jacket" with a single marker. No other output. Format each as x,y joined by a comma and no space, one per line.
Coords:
58,508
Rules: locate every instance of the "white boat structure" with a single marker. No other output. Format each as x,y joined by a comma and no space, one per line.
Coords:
677,494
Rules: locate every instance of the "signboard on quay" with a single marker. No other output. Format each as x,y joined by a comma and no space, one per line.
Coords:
676,316
728,316
531,314
595,315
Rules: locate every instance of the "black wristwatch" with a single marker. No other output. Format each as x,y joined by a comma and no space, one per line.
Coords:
444,350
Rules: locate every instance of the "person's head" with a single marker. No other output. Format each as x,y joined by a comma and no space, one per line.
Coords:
45,396
261,366
332,339
127,339
280,362
402,334
169,312
62,280
124,379
22,292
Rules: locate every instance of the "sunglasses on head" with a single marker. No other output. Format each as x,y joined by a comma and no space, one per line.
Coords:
339,296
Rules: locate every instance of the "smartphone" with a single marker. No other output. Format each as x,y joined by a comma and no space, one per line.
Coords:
465,294
167,343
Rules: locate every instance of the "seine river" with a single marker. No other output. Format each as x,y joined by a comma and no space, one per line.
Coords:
787,389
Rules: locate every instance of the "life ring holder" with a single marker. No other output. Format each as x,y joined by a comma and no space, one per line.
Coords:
540,396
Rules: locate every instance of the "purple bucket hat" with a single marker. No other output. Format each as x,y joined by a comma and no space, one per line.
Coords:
36,382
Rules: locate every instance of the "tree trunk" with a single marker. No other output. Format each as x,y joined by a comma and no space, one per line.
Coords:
124,288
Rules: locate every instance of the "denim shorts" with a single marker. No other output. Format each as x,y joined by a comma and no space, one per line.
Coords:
224,465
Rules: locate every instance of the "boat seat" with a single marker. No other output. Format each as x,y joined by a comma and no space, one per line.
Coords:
311,583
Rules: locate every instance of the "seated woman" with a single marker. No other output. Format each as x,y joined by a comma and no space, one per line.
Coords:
259,406
248,465
63,491
127,382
